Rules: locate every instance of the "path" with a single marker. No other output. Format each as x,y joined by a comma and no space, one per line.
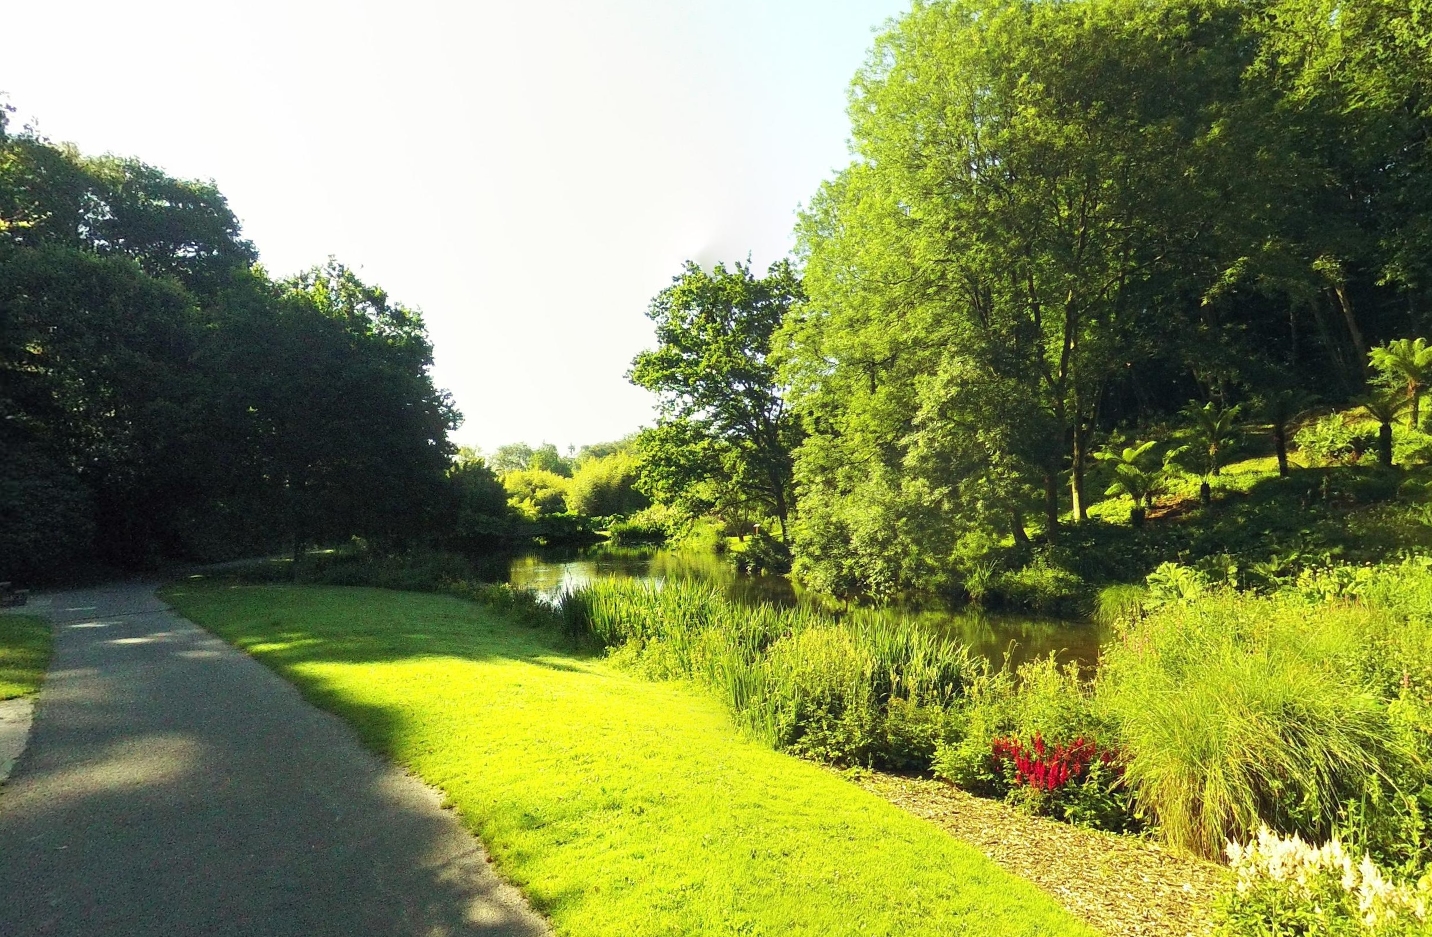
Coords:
1125,886
174,786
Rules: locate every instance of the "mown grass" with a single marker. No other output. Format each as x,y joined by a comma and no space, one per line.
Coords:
620,806
24,654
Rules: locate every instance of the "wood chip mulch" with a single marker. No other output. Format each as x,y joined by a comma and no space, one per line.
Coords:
1123,885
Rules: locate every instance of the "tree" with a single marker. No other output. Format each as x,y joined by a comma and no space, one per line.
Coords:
1407,363
714,377
1384,408
1134,478
1280,408
1213,428
603,486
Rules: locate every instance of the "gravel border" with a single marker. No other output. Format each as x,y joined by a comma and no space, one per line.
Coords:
1123,885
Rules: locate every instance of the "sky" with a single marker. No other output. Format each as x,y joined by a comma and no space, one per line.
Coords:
527,174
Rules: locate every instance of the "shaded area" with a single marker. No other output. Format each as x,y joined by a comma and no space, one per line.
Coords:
621,806
174,786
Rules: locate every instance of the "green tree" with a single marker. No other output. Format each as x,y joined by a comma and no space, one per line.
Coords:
715,380
604,486
1405,363
1281,408
1213,428
1384,408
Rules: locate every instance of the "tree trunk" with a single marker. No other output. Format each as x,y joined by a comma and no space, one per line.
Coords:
1205,493
1051,504
1384,445
1021,537
1414,416
1280,446
1136,516
1076,475
1358,344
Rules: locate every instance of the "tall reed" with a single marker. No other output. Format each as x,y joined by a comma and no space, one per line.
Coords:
1235,710
839,689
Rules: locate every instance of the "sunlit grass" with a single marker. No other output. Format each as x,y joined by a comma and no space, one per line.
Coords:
620,806
24,654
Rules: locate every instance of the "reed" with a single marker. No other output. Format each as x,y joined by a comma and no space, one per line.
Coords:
839,689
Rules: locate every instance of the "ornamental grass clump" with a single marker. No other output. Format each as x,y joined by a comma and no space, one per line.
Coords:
855,689
1235,711
1285,886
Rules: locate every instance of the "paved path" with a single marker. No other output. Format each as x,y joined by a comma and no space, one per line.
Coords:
173,786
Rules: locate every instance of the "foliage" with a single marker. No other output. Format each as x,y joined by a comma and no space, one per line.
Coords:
536,493
1044,588
161,396
619,806
1238,710
724,426
1062,221
1405,364
25,643
603,486
1333,440
804,682
1008,723
1286,886
483,516
654,524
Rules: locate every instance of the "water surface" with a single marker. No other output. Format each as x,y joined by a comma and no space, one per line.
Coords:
992,636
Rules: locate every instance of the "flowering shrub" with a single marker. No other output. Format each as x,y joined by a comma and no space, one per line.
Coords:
1047,768
1285,886
1076,782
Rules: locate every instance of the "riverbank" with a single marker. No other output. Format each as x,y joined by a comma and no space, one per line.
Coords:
619,805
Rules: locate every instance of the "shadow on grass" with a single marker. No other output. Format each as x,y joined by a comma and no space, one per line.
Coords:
172,786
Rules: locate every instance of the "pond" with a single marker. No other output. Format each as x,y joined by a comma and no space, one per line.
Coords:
990,635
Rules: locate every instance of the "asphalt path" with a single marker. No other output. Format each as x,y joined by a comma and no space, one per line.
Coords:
173,786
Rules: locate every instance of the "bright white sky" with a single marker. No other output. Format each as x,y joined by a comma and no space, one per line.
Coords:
528,174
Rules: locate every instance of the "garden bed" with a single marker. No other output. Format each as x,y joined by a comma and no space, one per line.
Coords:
1123,885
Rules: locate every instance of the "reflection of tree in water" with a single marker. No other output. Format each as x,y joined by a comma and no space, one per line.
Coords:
988,635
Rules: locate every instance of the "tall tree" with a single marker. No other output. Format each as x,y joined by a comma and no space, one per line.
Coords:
713,374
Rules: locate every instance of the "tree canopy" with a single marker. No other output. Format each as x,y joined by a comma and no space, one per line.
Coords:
161,396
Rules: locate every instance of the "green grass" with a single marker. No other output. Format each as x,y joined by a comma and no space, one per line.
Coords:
620,806
24,654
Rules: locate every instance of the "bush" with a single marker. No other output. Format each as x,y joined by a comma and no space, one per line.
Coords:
606,485
536,492
655,524
1334,440
1041,715
1285,886
1233,711
1044,589
45,515
857,690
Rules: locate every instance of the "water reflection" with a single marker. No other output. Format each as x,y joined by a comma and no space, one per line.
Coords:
991,636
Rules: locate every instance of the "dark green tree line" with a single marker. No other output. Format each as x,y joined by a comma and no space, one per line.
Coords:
161,396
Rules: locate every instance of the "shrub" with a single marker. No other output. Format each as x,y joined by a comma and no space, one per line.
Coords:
655,524
605,485
1285,886
1334,440
1118,605
1044,713
1236,710
857,689
1043,588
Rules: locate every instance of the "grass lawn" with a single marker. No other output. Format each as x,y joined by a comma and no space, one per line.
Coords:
620,806
24,654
